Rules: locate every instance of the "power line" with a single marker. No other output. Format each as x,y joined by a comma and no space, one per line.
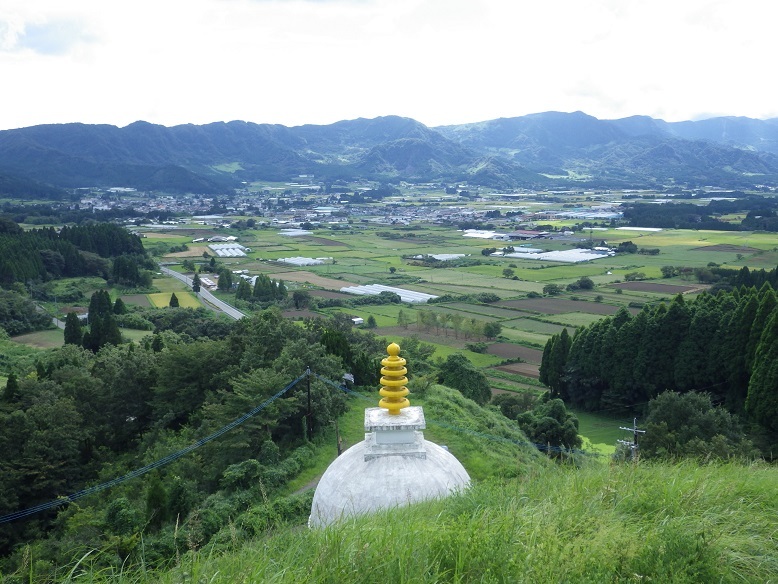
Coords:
149,467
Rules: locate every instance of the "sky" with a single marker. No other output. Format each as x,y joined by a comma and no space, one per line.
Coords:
440,62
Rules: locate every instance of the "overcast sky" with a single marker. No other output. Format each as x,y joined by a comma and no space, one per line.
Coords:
440,62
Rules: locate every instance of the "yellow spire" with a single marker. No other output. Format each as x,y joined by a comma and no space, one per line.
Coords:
393,380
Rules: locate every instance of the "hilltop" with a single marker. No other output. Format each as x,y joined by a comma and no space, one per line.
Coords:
657,522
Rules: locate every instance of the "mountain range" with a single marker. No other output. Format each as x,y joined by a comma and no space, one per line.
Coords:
549,149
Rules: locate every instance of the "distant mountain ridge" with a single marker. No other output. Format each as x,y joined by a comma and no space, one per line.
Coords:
537,150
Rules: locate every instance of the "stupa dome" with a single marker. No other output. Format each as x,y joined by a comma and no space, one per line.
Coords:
394,465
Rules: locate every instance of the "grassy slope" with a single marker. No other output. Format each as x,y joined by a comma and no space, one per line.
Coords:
601,523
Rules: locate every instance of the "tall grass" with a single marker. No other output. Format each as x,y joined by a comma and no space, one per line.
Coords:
631,523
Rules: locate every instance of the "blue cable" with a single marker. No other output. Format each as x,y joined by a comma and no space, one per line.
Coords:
149,467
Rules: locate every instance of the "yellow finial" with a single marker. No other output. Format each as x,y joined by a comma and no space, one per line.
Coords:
393,380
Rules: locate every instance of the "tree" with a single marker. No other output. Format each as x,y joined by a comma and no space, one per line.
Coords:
681,425
119,307
173,301
392,269
492,330
585,283
459,373
551,426
668,271
403,319
244,291
225,280
301,299
508,273
196,283
552,289
371,323
762,400
73,333
11,393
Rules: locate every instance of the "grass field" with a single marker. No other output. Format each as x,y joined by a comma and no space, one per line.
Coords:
47,339
185,299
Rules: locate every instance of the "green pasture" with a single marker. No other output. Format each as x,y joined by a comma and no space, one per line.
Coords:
185,299
48,339
443,351
575,319
467,313
531,339
600,432
134,335
533,326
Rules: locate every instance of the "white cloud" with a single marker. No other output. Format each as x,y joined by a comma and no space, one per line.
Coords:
438,61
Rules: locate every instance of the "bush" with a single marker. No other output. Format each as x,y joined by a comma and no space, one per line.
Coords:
477,347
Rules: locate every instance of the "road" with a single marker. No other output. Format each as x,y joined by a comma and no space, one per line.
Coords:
206,295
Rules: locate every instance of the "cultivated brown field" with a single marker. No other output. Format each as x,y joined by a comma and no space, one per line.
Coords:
295,314
137,300
513,351
525,369
727,247
193,252
311,278
654,287
329,294
558,306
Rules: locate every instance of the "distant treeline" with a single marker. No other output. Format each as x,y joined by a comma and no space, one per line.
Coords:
43,254
760,215
725,344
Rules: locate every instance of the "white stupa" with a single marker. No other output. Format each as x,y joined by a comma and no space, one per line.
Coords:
394,465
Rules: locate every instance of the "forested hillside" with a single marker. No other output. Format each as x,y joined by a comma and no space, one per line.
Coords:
723,344
534,151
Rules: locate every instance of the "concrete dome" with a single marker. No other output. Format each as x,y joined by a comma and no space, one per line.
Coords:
394,465
353,485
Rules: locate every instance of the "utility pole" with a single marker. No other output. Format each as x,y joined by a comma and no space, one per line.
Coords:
633,446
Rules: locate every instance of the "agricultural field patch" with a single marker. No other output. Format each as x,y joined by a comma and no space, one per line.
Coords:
194,251
526,369
311,278
656,287
579,319
442,309
325,241
727,247
329,294
525,337
47,339
137,300
514,351
298,314
486,310
185,299
559,306
534,326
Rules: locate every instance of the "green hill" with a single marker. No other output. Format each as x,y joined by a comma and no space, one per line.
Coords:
602,523
526,519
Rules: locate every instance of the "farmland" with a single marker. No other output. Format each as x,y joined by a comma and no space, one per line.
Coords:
361,253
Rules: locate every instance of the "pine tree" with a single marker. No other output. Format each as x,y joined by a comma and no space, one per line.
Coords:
73,334
119,307
11,393
196,283
244,290
173,301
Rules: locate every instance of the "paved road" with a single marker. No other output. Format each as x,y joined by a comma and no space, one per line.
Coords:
206,295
